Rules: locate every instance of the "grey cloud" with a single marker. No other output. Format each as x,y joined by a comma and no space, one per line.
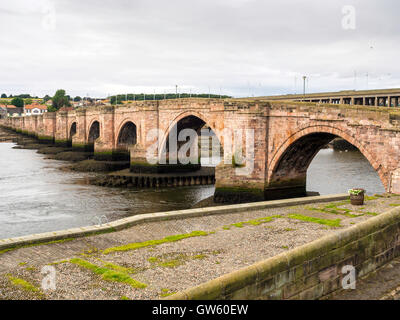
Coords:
242,46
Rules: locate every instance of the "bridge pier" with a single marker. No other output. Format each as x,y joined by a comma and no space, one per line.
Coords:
294,188
230,188
61,133
79,139
394,186
47,130
79,143
139,163
104,144
104,152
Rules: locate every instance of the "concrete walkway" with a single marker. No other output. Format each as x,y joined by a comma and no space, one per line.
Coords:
156,259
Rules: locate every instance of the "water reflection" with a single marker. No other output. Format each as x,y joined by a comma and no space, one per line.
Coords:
35,196
337,171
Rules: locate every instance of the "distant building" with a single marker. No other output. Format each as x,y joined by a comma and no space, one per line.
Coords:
3,112
34,109
77,104
13,111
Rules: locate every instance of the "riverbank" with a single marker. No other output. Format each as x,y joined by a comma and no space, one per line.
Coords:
155,259
78,161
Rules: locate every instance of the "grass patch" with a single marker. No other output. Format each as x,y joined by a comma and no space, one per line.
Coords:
108,274
166,293
89,252
254,222
124,298
289,229
33,268
167,263
138,245
333,209
394,205
175,260
327,222
23,284
119,268
58,262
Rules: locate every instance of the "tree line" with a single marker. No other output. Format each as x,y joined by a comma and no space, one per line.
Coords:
61,99
119,99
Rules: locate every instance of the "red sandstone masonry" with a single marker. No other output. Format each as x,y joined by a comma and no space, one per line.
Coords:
283,130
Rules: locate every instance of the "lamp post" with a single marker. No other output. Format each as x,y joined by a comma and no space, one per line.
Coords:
304,86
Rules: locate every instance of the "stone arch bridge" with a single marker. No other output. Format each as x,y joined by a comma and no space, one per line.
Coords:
287,136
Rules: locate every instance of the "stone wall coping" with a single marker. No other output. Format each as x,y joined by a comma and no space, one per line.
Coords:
226,284
159,216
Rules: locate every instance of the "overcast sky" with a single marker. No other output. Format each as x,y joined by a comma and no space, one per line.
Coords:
238,47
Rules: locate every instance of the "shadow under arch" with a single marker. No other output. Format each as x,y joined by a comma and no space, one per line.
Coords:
72,132
287,175
208,143
126,138
94,134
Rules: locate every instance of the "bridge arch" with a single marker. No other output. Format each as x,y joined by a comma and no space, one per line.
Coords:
127,135
288,165
94,132
72,131
187,120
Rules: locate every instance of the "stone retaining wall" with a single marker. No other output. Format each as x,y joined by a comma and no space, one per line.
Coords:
311,271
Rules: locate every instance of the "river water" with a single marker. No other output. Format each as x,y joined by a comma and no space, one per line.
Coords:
35,196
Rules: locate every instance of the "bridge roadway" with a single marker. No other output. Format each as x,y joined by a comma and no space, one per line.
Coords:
228,242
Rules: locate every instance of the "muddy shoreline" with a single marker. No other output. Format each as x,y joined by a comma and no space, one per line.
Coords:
78,160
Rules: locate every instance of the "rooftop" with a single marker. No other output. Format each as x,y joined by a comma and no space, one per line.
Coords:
36,106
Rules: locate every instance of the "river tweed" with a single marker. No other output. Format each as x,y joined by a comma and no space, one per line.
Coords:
36,196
